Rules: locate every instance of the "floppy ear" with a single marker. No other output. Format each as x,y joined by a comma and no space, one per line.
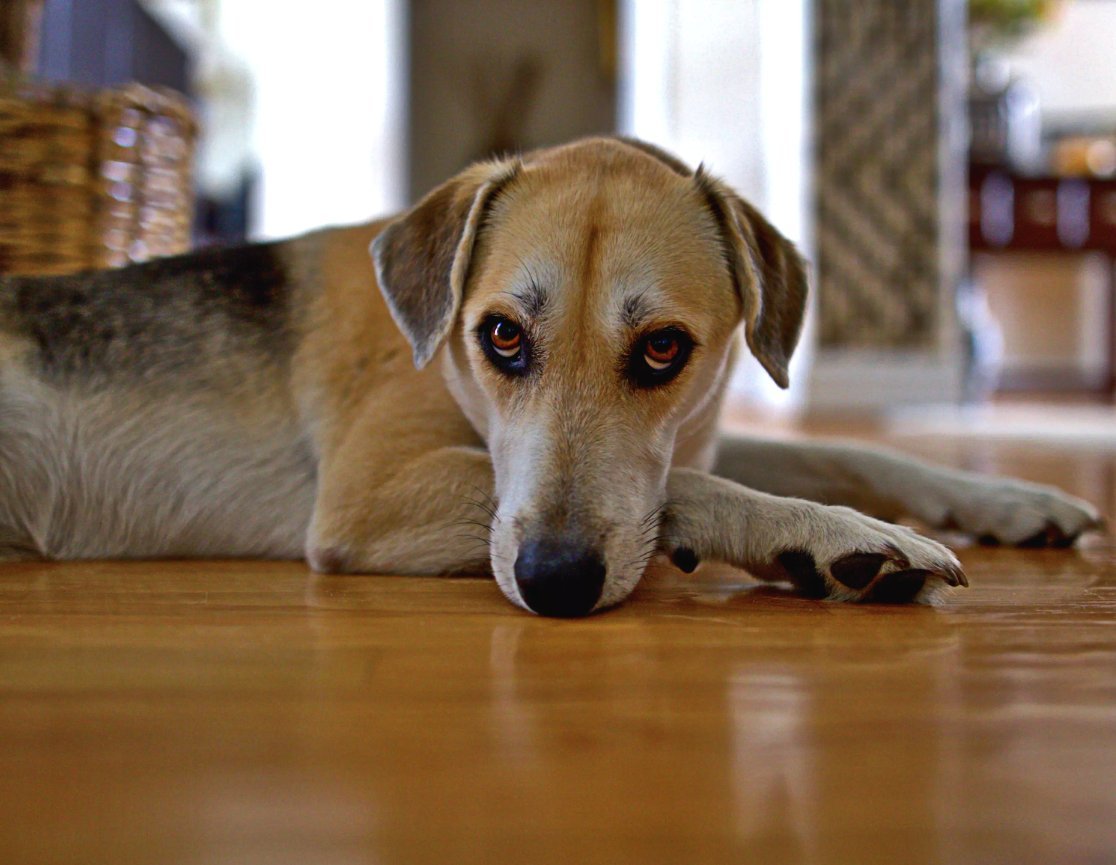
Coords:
422,258
769,274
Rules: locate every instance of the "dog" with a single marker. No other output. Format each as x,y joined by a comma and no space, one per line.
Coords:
534,390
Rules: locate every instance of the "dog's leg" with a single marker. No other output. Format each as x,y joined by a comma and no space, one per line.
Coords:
890,485
828,552
429,513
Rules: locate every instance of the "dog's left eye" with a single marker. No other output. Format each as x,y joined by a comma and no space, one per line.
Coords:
659,356
661,349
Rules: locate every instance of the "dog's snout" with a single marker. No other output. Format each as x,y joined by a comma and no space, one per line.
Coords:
559,579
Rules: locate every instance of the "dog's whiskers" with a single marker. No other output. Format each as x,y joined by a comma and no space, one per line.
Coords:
478,543
482,507
647,550
488,504
487,496
654,517
466,521
466,532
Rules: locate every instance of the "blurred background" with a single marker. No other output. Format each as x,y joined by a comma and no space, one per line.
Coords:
949,168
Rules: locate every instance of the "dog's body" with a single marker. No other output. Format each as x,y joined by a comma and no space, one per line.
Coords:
581,304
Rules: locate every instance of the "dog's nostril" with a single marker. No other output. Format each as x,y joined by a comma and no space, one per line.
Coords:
559,579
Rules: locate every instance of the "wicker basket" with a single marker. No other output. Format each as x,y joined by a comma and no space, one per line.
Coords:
92,179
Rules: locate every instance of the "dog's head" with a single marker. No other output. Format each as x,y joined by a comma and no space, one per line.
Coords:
587,298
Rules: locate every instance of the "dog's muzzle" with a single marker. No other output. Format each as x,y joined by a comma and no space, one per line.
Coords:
559,578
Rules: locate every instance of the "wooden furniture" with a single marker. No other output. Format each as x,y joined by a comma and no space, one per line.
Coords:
1009,212
19,33
105,43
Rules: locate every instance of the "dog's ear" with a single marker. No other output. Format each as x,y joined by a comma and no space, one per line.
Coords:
769,274
422,258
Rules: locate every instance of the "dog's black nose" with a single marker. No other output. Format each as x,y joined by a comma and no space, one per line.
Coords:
559,579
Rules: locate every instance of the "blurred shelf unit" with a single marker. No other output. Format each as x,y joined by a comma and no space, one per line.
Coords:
1053,214
1009,211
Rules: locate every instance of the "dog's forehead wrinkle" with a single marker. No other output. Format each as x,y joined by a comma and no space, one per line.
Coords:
532,298
638,307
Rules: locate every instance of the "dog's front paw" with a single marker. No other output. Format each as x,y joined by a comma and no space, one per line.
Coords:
826,552
853,557
1007,511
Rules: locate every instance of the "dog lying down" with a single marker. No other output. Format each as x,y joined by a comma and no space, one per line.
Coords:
536,392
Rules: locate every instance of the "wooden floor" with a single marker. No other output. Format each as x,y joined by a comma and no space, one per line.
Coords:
242,712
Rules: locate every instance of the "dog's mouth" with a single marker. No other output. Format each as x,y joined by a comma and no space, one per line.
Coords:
571,538
565,575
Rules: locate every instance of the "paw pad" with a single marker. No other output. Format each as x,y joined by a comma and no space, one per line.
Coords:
901,587
857,570
1049,536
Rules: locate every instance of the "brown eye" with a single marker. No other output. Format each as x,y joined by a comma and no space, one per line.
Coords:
506,338
658,357
661,349
505,344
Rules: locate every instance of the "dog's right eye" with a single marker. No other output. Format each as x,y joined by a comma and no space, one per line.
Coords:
507,338
504,343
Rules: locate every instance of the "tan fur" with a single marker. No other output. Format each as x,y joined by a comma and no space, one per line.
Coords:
387,440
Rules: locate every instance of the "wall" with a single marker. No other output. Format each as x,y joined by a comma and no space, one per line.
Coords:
309,96
327,118
504,74
1071,62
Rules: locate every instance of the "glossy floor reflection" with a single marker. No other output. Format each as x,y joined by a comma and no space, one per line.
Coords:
242,712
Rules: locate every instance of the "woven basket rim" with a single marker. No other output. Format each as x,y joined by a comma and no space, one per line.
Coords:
92,177
151,99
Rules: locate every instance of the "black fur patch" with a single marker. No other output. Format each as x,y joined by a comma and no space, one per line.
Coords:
170,314
685,560
803,572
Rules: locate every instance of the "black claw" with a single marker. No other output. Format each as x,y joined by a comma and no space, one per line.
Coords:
803,572
858,569
1066,541
957,577
901,587
685,559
